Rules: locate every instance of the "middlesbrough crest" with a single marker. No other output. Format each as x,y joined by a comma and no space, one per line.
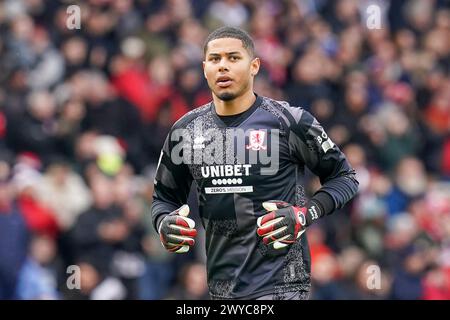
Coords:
256,139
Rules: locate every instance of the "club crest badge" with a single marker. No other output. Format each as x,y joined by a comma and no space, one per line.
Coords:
256,139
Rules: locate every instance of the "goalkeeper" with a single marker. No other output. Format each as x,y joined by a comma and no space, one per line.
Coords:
247,156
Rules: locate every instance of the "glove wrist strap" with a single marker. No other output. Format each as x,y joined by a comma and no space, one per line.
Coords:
313,212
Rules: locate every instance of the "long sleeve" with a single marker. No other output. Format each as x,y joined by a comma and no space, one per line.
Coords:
172,184
311,146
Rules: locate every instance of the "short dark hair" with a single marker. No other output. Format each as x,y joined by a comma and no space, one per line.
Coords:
232,32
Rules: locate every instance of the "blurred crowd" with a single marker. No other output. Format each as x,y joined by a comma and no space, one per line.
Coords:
84,113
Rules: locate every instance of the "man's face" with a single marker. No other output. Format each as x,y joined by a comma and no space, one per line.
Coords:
229,68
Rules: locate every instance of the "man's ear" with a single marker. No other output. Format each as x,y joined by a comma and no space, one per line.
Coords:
254,66
203,65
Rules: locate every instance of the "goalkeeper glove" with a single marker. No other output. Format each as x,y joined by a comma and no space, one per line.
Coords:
283,225
176,231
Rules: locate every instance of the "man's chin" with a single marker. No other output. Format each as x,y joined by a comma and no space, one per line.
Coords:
226,96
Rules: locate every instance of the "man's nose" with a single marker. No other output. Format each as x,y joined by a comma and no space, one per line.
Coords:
223,65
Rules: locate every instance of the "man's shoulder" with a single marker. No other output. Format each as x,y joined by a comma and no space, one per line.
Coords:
283,109
191,115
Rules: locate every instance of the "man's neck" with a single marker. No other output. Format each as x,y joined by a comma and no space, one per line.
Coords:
235,106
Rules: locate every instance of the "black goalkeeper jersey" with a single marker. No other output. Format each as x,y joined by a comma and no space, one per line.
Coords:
260,156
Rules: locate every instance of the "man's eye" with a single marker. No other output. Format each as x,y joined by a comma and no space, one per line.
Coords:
215,59
234,58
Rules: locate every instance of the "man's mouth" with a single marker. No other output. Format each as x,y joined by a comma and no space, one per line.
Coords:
224,81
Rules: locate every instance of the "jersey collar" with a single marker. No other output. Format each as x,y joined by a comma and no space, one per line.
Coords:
243,116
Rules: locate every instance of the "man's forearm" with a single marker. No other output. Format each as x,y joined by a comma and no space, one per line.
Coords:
159,210
333,195
341,189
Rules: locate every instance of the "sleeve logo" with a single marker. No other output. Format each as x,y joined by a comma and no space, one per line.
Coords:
325,142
